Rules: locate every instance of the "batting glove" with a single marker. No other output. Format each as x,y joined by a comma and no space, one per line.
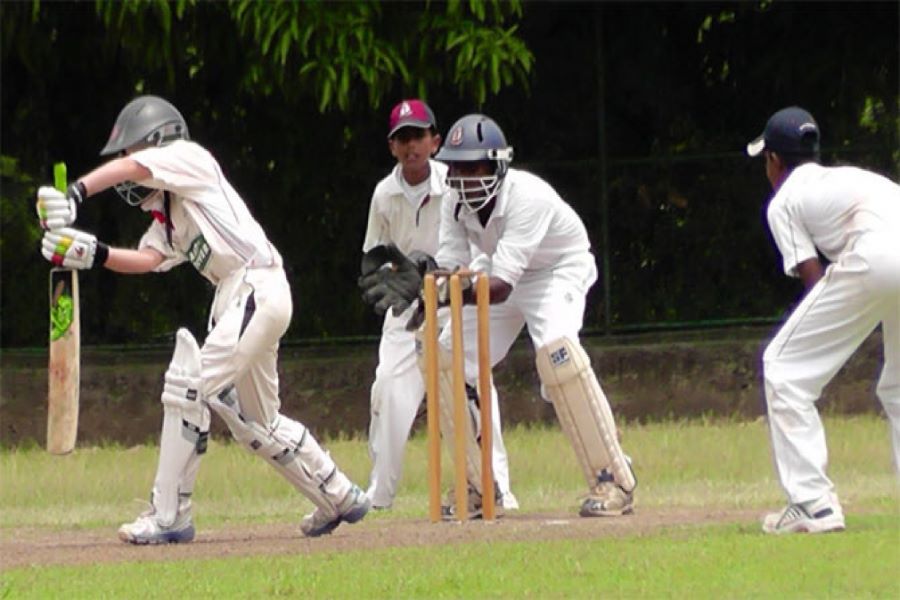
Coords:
73,249
443,287
55,209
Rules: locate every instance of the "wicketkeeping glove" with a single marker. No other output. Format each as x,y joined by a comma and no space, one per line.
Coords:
55,209
389,279
424,262
73,249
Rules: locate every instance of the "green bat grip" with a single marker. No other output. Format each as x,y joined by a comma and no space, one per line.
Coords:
59,176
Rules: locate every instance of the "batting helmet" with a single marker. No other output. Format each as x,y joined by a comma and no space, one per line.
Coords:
476,138
145,121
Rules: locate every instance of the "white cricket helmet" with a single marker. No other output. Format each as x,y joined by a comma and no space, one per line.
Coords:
476,138
145,121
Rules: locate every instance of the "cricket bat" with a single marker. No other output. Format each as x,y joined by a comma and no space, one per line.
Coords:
64,369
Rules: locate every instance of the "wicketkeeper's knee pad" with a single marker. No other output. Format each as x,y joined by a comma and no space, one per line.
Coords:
185,429
583,411
289,447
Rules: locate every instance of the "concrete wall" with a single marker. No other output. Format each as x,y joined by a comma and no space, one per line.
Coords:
647,377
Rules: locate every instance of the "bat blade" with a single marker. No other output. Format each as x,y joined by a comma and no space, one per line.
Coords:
64,367
65,362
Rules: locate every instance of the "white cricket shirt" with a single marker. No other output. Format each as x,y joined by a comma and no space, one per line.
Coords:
410,223
828,208
211,225
531,230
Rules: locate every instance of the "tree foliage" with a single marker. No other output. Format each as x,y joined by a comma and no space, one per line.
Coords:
327,47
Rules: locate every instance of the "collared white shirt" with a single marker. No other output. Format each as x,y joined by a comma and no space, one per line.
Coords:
409,223
827,208
531,230
211,225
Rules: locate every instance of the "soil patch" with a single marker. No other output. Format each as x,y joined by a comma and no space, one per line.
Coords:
42,547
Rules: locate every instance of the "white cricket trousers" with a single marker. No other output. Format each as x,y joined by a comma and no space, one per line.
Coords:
551,303
242,346
855,294
396,395
251,312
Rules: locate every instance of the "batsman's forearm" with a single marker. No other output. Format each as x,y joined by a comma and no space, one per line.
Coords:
113,172
810,272
126,260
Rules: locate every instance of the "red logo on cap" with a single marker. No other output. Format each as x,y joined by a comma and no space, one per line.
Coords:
456,137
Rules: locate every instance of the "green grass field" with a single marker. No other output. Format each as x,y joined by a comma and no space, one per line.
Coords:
690,465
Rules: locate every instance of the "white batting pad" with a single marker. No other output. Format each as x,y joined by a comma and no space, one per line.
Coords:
289,447
185,430
445,406
583,411
448,426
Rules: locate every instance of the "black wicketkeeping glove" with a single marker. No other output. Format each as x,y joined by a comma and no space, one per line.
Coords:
389,279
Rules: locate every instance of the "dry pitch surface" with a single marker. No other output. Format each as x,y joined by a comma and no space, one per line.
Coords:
40,547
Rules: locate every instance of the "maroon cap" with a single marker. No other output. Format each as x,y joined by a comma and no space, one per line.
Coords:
411,113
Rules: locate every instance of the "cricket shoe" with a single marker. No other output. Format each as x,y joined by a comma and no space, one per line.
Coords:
819,516
147,530
474,508
353,508
607,499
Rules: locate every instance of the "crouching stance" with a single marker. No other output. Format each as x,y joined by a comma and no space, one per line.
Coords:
851,217
515,227
198,217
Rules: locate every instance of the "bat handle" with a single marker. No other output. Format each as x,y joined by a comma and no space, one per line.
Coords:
60,177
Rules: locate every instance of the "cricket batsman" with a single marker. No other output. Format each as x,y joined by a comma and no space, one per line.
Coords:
198,217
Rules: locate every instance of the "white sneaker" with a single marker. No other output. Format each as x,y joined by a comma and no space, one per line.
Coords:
508,501
147,530
354,507
819,516
370,493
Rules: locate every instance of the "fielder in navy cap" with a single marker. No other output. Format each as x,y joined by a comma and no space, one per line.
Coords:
836,230
791,131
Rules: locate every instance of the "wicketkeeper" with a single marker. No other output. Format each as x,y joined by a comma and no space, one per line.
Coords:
514,226
199,218
405,211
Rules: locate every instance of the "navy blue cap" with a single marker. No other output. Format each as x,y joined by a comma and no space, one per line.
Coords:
791,131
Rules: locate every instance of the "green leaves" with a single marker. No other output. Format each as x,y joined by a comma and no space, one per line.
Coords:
338,48
337,51
487,60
